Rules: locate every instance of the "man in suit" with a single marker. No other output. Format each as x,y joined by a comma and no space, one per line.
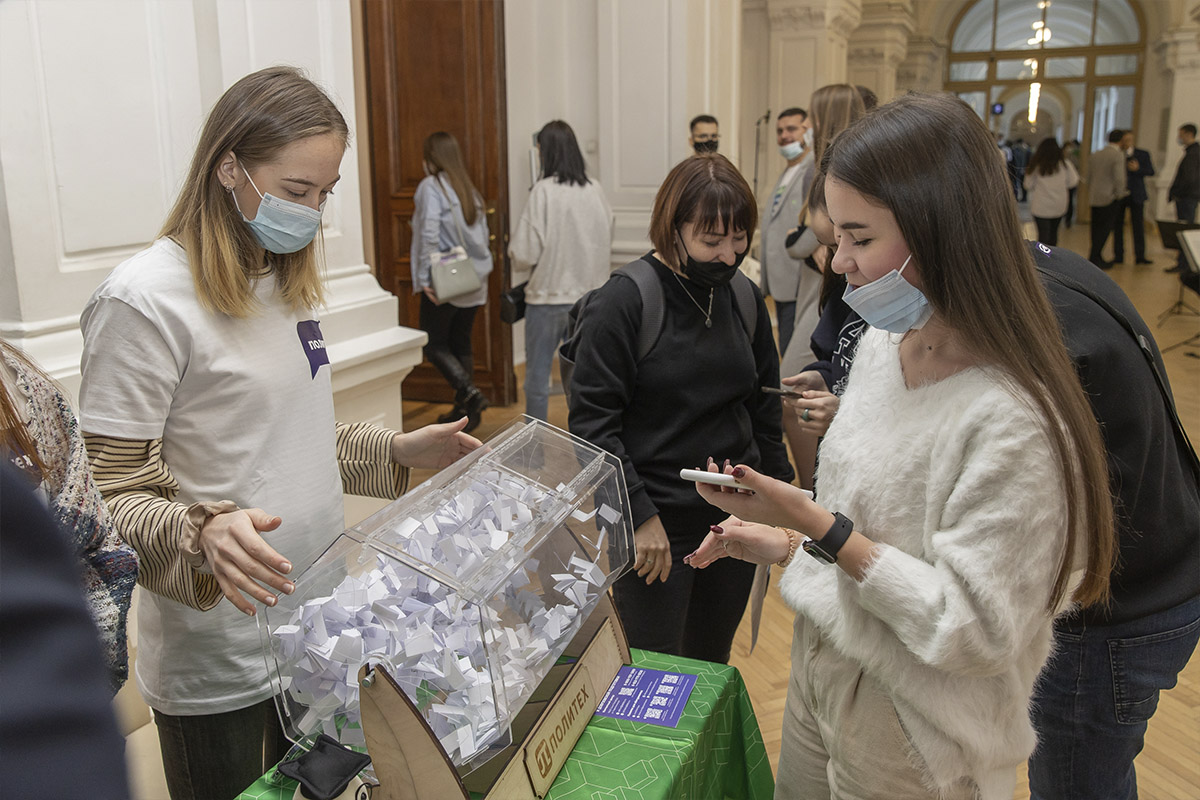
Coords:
1138,168
783,275
1106,187
1185,189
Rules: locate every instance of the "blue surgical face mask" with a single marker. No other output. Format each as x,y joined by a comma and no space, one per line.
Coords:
808,139
890,303
791,150
281,226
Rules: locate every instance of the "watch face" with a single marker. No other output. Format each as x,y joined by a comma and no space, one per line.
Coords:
814,550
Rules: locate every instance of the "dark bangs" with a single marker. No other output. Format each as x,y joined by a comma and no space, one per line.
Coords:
708,191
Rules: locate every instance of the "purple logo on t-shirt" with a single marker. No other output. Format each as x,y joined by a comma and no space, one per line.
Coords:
313,343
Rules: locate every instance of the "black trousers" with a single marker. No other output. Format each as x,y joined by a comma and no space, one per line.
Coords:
1048,230
1137,222
216,756
1103,219
449,347
696,612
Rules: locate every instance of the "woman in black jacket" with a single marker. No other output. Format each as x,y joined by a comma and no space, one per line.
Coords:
697,391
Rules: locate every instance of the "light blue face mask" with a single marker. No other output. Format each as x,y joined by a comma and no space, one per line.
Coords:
791,150
890,303
281,226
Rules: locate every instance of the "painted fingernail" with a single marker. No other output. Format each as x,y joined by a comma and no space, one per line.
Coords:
285,567
289,587
716,529
738,472
270,601
726,464
249,612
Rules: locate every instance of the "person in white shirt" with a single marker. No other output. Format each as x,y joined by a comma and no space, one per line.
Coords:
966,468
565,235
207,411
1049,179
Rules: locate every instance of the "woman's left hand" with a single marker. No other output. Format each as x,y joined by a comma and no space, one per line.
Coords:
434,446
769,501
748,541
814,410
432,295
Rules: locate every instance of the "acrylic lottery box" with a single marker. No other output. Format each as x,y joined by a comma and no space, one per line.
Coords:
467,589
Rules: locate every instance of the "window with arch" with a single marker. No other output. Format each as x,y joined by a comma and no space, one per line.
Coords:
1036,68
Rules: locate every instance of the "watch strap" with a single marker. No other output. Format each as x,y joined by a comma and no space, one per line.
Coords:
827,547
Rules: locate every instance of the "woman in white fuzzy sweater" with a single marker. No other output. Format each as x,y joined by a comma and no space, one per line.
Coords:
967,471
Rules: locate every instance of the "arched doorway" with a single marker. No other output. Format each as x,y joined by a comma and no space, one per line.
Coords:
1079,60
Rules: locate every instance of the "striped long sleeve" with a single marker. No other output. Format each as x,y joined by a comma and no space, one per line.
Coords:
140,491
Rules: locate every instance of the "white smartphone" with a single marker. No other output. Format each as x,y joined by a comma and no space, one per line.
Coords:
703,476
718,479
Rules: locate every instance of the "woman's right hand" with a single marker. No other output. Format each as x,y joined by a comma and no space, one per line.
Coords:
240,558
809,380
432,295
653,558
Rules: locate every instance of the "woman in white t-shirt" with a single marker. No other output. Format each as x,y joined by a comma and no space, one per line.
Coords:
566,232
966,469
1049,179
207,410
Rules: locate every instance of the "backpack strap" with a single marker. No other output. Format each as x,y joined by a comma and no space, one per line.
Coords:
653,306
743,294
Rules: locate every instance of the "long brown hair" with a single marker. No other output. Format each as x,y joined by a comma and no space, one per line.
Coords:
255,119
443,155
833,109
13,433
707,191
1047,159
931,162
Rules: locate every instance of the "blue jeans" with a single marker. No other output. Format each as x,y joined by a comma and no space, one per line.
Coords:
544,329
1095,697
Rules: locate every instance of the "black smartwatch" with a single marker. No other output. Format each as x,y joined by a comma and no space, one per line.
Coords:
827,548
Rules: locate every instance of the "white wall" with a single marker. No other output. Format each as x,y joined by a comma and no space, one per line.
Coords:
103,102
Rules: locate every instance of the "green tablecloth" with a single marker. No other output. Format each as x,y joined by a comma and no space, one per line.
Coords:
715,752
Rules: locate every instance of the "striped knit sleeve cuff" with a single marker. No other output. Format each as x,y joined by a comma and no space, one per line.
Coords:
364,453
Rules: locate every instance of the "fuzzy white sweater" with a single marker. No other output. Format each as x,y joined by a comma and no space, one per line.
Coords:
958,485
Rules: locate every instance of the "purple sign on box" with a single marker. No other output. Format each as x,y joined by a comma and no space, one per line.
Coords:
647,695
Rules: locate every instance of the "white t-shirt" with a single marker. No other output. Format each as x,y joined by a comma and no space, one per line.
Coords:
245,411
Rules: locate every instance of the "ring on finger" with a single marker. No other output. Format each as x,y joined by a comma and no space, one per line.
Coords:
804,415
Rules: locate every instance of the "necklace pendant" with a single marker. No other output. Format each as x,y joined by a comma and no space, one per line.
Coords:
708,322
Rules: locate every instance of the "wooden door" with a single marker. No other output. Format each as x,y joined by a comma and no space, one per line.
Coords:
438,65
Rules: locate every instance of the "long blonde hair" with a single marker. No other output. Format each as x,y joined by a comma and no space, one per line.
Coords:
443,155
932,163
256,118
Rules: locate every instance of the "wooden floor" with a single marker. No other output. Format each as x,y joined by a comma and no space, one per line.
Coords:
1169,767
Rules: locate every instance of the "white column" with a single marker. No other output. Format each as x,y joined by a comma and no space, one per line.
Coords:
879,45
1179,59
102,105
923,66
808,47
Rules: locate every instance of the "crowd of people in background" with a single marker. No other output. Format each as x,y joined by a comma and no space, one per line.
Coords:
1003,489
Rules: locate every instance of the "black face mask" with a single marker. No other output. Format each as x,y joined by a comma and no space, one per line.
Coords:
705,147
710,274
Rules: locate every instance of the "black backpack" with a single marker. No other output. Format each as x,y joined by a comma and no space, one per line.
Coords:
642,273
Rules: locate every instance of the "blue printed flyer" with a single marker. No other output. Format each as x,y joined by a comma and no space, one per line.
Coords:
647,695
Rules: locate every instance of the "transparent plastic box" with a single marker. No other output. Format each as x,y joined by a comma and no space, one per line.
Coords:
468,588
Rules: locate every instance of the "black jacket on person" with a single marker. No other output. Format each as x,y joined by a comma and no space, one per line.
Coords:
1186,185
696,393
1156,490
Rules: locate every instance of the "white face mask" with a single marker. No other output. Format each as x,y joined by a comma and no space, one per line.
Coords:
890,303
791,150
280,226
808,139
